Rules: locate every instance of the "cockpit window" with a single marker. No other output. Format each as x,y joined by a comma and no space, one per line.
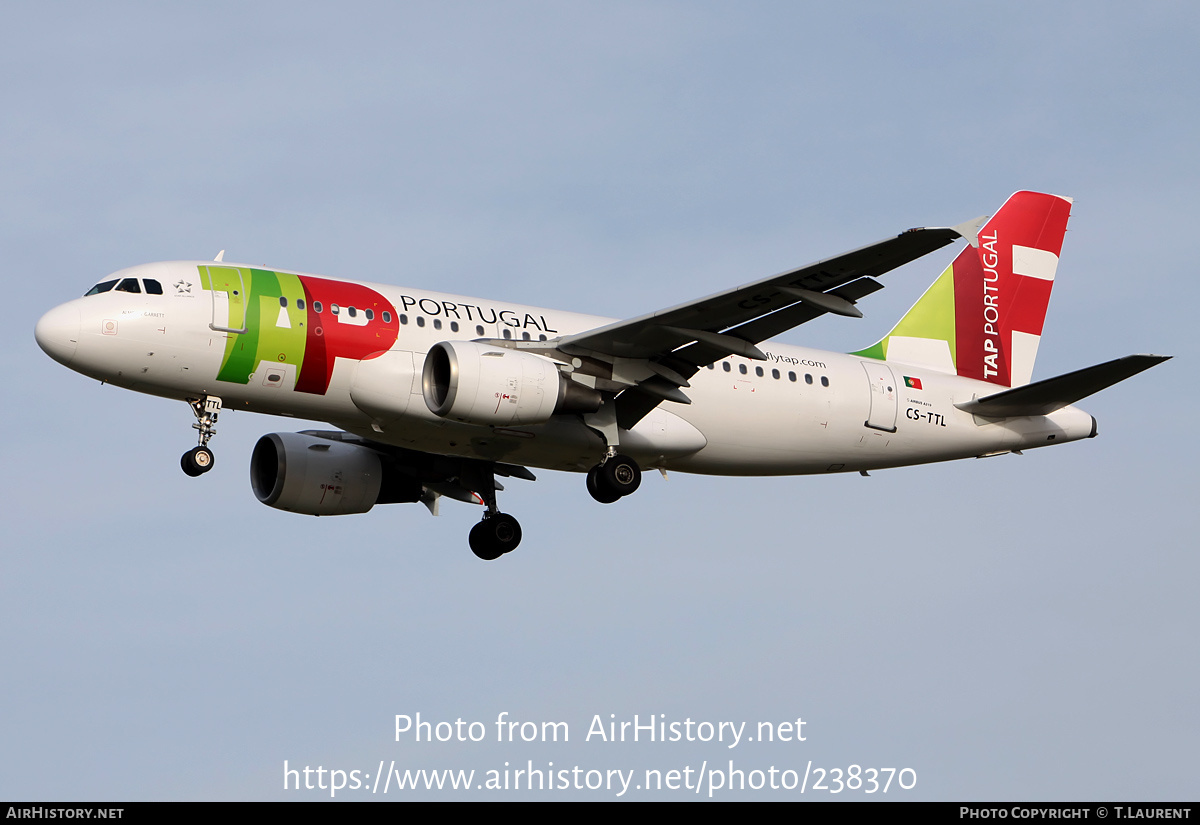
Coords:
129,285
103,286
153,287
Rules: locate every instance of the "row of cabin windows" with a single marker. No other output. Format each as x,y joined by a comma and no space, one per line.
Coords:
318,308
152,287
437,322
387,318
508,333
744,370
479,330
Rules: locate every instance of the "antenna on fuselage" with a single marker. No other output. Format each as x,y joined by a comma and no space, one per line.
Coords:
220,256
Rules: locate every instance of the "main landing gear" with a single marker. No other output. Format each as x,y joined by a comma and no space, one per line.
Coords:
615,477
498,533
199,460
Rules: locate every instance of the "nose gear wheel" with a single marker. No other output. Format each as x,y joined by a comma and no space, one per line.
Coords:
199,460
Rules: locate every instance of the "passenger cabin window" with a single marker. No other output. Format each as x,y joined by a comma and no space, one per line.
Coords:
103,286
437,323
335,309
725,366
479,330
153,287
825,382
317,307
283,302
420,320
351,312
300,304
129,285
387,317
454,326
370,314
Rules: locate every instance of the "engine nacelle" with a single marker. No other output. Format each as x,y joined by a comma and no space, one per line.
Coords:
481,384
315,476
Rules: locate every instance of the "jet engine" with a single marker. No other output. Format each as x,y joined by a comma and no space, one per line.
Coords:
481,384
322,477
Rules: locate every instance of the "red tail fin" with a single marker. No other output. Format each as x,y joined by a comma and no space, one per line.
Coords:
982,318
1002,288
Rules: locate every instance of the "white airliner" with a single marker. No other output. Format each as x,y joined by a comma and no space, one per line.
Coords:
435,395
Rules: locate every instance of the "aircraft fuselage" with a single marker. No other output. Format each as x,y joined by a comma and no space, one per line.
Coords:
351,353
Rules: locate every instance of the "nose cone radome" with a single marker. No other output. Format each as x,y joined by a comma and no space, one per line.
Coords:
57,333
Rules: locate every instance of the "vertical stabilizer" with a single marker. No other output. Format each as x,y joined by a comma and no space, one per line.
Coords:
982,318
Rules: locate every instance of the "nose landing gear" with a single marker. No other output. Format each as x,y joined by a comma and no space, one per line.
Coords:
199,460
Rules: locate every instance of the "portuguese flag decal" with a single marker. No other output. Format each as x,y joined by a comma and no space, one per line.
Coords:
912,383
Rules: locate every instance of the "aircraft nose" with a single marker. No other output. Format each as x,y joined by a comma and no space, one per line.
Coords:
57,333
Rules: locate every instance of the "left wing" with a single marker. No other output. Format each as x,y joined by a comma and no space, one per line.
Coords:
412,476
649,359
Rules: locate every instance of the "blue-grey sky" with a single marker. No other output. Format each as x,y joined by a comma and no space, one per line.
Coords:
1011,628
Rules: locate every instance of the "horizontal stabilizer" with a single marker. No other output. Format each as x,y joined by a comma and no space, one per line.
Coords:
1044,397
